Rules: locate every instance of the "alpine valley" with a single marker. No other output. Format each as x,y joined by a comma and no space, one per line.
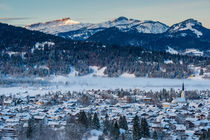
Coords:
123,79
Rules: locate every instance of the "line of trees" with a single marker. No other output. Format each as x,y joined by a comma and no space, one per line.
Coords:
77,127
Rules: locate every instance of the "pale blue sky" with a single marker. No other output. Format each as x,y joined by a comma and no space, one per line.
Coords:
22,12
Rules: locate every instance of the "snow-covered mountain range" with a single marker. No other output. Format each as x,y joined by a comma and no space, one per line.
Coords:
69,28
188,34
80,31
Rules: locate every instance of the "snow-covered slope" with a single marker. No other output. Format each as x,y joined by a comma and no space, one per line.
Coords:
151,27
194,52
57,26
172,51
125,24
80,31
190,24
121,23
189,51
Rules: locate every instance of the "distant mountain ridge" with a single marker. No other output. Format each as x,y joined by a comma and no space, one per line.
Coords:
75,30
189,34
154,35
82,31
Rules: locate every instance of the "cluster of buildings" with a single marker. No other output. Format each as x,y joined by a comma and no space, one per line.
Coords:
181,118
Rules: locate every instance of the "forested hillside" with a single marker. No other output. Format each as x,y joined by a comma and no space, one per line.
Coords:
31,53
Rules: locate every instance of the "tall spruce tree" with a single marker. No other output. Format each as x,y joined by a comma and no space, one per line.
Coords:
101,138
123,136
123,123
155,136
201,72
82,119
116,131
145,128
136,128
90,119
95,122
106,124
111,130
31,127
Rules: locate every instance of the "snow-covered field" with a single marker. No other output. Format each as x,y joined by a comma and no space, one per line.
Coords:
74,83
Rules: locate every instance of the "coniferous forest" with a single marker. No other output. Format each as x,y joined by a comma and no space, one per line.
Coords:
31,53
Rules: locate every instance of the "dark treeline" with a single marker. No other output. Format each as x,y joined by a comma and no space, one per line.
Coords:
117,61
81,124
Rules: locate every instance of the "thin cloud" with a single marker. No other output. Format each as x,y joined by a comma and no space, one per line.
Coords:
13,18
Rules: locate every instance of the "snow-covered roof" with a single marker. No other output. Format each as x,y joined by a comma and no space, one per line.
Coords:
180,127
179,100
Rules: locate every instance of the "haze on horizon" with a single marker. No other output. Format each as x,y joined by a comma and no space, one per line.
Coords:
23,12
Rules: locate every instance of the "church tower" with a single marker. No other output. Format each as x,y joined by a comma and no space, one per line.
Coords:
183,92
182,98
